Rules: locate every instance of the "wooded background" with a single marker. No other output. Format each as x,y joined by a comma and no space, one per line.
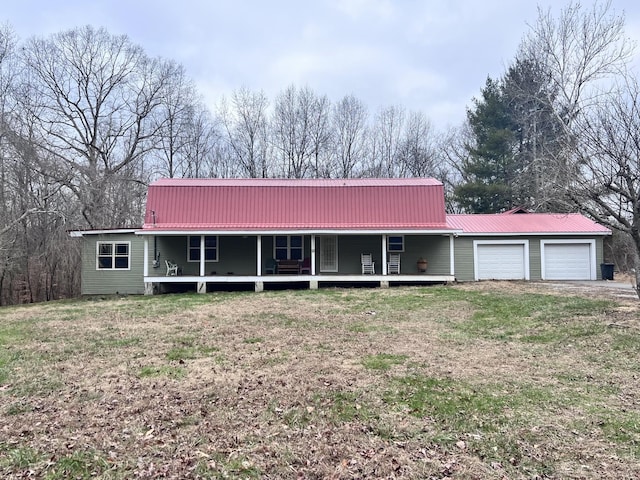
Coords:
88,119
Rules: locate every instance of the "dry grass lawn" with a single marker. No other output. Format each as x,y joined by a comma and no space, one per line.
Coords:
482,381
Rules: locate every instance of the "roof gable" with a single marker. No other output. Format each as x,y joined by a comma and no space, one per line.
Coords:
275,204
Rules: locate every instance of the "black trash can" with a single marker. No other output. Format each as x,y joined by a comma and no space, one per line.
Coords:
606,269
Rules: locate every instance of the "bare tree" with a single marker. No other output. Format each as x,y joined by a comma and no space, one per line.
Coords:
350,136
577,54
580,51
321,137
386,143
92,96
202,151
291,133
31,213
173,118
245,126
300,132
608,187
418,151
453,147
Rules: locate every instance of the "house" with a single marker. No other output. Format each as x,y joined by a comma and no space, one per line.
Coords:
206,234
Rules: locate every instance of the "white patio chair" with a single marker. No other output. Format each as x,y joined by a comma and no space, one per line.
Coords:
393,265
172,268
368,265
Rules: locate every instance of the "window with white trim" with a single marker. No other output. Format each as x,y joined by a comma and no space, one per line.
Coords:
113,255
287,247
210,248
395,243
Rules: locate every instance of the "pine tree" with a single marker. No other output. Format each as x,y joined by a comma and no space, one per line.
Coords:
493,163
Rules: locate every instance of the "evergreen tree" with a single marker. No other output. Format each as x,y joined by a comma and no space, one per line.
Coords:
493,161
528,94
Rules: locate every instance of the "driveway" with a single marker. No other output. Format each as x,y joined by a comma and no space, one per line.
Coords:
612,287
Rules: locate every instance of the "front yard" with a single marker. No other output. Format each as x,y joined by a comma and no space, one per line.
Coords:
488,380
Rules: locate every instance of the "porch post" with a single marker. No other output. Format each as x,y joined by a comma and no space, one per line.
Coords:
259,256
148,286
313,254
452,257
202,255
145,267
384,254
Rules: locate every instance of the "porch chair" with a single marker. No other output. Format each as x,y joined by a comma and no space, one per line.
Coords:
393,265
271,266
305,266
368,265
172,268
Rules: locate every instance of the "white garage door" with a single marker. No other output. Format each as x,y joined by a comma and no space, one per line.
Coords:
500,262
567,261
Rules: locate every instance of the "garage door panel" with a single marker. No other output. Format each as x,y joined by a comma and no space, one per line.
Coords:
567,261
500,262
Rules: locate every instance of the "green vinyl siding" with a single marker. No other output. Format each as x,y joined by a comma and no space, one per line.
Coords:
464,264
108,282
236,256
350,247
434,249
463,258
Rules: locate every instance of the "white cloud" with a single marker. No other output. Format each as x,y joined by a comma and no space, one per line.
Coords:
426,55
383,9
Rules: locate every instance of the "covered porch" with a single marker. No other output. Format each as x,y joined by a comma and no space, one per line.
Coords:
209,260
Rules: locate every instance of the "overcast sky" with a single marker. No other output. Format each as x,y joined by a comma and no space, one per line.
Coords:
432,56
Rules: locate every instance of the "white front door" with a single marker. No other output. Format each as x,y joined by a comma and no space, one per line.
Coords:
329,253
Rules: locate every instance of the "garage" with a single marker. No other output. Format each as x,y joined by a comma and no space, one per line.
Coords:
568,260
501,260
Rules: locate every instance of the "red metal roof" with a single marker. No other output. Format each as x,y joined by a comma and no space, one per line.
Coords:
537,223
274,204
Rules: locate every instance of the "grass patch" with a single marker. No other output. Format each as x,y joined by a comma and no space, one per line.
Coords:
532,318
37,385
461,407
18,458
78,465
19,407
360,327
187,348
346,406
232,466
190,353
383,361
161,371
117,342
621,428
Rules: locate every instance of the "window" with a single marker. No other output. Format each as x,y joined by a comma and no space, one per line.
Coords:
210,248
288,247
395,243
113,255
